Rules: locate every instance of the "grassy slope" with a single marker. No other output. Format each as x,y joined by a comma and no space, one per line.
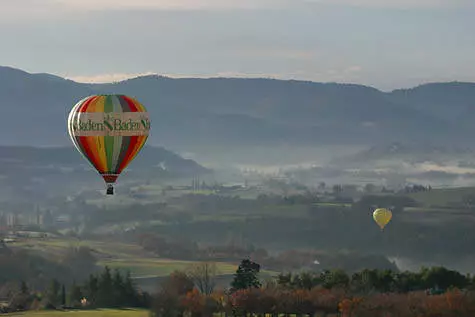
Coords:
122,256
443,197
89,313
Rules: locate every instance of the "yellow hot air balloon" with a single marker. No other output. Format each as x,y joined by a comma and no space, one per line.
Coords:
382,216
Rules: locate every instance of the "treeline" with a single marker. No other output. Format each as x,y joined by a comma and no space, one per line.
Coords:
289,260
431,292
103,290
270,221
75,263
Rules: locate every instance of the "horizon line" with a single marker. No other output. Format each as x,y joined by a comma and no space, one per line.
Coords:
239,77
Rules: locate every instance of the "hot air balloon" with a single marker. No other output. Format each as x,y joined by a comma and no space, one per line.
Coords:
109,130
382,216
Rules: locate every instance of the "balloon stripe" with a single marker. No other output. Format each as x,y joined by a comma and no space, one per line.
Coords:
123,153
138,142
138,147
98,141
109,140
82,149
83,140
89,143
87,104
130,102
137,105
128,154
124,105
101,147
73,116
81,107
117,139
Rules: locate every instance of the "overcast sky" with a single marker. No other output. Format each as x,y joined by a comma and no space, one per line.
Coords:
386,44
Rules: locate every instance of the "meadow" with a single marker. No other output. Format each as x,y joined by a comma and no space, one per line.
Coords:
86,313
122,256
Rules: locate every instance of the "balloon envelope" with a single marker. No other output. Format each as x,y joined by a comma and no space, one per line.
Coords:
382,216
109,130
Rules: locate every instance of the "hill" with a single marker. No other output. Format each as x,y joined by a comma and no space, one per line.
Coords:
225,112
88,313
31,172
409,153
70,157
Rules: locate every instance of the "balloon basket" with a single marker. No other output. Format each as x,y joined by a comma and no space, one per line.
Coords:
110,190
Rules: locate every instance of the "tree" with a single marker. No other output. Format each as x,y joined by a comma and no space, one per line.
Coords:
178,283
204,276
80,260
105,296
53,293
321,186
334,278
369,188
75,295
119,289
337,189
194,302
440,277
91,288
24,288
168,302
246,276
63,296
130,293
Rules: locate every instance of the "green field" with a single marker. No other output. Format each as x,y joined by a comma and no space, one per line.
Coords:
88,313
443,197
122,256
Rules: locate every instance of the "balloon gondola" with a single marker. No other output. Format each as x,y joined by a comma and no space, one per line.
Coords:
109,131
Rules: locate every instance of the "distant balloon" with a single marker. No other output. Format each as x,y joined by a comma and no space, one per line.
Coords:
109,130
382,216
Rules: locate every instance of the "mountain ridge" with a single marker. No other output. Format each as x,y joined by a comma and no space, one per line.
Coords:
241,112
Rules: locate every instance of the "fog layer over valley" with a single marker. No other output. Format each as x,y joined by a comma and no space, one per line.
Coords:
287,172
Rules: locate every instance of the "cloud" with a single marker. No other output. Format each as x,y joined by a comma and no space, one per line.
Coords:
353,69
106,78
71,6
110,78
96,5
15,10
394,4
275,52
349,73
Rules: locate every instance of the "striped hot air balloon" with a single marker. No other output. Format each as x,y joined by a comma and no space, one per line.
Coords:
109,130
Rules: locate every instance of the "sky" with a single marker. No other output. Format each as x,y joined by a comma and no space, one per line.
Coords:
387,44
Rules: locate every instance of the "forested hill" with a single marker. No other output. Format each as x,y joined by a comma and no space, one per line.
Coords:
241,112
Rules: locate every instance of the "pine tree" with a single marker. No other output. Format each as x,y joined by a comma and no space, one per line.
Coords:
24,288
119,289
106,291
246,275
75,295
91,289
53,293
63,296
130,293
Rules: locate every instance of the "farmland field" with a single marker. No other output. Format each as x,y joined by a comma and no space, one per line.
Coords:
88,313
443,197
118,255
